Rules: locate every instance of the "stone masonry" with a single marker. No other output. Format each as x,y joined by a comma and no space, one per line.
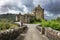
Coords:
11,34
50,33
24,18
37,13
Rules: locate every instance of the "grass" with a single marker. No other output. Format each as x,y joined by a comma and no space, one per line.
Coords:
54,24
36,23
5,24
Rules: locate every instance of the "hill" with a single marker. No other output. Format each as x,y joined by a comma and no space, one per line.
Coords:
10,17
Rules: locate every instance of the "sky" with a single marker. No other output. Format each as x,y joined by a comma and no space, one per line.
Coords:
51,7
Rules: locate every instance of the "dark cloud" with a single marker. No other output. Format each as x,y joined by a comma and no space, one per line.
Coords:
28,3
52,6
7,7
18,5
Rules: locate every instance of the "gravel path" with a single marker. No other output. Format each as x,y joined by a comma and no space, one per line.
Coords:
33,33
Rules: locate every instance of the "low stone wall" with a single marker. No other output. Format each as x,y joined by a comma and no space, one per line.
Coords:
39,28
24,27
50,33
42,30
11,34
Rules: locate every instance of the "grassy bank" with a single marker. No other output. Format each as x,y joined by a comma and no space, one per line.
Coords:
5,24
35,21
54,24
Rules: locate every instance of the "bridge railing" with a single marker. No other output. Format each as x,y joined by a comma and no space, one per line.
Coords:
50,33
11,34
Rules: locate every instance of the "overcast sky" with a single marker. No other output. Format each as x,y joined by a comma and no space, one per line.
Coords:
51,7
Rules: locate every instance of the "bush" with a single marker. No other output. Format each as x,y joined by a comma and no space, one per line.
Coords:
52,24
45,23
32,20
35,21
5,24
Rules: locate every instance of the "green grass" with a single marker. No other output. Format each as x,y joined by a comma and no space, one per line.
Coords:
5,24
36,23
54,24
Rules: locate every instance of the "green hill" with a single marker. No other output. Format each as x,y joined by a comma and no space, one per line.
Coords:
10,17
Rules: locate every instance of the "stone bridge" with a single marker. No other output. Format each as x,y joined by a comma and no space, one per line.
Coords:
31,34
28,32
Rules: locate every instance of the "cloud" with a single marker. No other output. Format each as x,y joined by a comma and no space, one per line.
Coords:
51,7
17,5
28,4
2,2
11,5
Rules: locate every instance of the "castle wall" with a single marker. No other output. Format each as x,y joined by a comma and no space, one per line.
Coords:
38,12
23,18
17,18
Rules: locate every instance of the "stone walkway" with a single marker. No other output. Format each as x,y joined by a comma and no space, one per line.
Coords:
32,34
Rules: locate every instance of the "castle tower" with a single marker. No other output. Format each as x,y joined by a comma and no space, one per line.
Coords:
18,17
39,12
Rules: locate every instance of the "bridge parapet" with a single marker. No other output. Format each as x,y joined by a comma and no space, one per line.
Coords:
50,33
12,34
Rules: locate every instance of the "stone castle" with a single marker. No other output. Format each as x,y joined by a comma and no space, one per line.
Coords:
37,13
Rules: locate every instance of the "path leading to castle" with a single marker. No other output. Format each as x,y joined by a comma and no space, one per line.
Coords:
32,33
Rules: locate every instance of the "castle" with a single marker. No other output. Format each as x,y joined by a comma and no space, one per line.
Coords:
37,13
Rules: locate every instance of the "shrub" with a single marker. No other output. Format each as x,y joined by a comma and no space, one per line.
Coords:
52,24
45,23
32,20
4,24
7,26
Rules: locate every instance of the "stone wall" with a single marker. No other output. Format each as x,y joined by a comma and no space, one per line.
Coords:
23,18
11,34
50,33
38,12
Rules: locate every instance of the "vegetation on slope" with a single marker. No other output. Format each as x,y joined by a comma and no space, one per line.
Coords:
35,21
10,17
54,24
5,24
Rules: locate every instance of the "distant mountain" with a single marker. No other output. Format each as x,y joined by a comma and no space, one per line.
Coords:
10,17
